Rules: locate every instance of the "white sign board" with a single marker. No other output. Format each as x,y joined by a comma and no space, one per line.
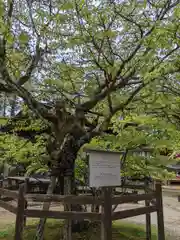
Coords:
104,169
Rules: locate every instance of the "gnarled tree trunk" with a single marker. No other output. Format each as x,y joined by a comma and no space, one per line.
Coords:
63,148
65,160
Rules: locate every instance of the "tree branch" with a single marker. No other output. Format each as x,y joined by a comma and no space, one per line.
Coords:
33,64
5,88
39,108
10,11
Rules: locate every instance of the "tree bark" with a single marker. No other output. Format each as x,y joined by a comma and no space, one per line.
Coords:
63,156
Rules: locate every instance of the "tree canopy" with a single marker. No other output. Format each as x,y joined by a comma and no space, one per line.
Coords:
81,67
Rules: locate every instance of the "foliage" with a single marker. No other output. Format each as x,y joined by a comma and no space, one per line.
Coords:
28,149
80,65
16,150
81,169
150,131
147,134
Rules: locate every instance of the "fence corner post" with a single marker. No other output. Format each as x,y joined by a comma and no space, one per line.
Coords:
26,189
106,225
148,215
160,214
67,234
20,213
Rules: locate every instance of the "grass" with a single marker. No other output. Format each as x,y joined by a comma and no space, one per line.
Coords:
122,230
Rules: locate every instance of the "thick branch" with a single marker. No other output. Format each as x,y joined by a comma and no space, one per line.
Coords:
39,108
4,88
130,98
91,103
33,64
10,10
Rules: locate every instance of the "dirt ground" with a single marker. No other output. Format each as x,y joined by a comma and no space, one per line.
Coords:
171,216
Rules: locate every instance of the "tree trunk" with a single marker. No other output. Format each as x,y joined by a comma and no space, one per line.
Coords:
46,206
63,155
60,185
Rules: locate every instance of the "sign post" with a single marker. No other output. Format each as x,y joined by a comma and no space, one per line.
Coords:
104,172
106,225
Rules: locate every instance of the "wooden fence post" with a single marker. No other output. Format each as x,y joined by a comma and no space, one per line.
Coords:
1,185
20,213
106,225
148,215
67,207
26,191
148,222
160,215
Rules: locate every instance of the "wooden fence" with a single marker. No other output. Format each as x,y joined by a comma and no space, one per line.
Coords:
105,217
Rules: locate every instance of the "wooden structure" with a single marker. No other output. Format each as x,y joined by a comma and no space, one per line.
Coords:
39,185
176,169
105,217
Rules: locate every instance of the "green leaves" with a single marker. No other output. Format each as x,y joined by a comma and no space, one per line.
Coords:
152,132
3,27
36,167
1,9
68,5
10,38
99,53
23,37
177,12
108,33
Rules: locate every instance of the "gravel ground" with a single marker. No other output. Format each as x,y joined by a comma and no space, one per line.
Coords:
171,216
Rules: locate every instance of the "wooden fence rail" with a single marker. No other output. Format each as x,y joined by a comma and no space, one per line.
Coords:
9,207
107,200
133,212
70,199
132,198
87,199
63,215
11,194
8,193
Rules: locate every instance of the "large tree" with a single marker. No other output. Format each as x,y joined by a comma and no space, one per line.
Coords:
77,64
